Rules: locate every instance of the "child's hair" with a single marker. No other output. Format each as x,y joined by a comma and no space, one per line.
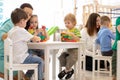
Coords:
26,5
17,15
105,20
34,16
71,17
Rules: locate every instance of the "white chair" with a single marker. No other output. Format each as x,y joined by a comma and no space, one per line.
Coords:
9,66
97,56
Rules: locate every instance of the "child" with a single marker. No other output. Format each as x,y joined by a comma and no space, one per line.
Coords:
105,36
32,27
33,23
5,27
20,37
114,48
69,58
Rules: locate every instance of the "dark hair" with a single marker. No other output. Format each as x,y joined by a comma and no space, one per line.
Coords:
91,24
26,5
27,25
17,15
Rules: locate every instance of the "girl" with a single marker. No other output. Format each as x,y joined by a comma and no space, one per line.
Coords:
33,28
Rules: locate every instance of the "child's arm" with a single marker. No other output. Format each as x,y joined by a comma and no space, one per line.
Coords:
46,35
112,35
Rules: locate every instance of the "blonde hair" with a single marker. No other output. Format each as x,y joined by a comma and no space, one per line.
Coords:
71,17
105,20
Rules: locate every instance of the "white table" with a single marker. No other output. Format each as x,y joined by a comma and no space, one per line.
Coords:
47,46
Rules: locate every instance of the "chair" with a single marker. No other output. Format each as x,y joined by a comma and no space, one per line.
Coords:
9,66
97,56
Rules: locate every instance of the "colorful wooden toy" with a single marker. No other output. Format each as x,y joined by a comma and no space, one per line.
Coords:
66,38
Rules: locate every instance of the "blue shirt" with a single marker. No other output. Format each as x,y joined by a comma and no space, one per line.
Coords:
104,38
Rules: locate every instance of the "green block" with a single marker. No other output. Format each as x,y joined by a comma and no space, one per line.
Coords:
42,37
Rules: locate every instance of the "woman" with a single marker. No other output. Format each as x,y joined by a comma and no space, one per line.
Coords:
89,34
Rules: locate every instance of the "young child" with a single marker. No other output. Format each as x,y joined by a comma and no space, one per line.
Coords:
5,27
20,37
114,48
105,36
33,28
69,58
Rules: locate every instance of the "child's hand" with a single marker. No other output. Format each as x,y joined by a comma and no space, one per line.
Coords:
39,31
36,39
4,36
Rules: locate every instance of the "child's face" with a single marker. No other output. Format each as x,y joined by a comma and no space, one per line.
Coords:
34,22
108,24
23,23
69,24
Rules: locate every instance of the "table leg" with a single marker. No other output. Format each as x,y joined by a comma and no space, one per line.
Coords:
54,65
46,76
79,63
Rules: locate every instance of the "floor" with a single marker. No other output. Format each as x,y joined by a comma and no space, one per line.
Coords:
101,76
87,75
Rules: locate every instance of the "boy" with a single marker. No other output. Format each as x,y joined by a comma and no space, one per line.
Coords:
69,58
105,36
20,37
5,27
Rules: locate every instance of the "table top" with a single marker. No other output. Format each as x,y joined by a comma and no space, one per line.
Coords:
55,44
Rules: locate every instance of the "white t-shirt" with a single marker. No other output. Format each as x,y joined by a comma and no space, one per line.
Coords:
20,37
88,39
